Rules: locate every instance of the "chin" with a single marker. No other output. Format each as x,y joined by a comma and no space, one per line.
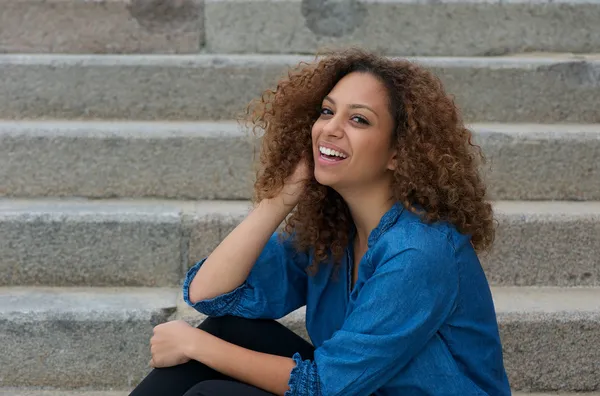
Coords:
326,180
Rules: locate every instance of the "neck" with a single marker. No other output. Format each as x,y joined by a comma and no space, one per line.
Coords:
367,206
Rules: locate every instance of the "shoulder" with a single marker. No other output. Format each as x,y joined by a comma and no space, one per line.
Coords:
416,245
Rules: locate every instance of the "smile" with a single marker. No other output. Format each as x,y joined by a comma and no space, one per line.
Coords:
329,155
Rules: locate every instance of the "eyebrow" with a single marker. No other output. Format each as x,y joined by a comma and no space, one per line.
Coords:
353,106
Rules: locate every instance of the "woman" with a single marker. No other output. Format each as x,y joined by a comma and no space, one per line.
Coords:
369,158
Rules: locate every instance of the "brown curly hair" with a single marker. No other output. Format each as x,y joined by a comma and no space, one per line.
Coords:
437,167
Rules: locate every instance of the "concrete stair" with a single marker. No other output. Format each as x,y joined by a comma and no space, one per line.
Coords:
98,336
537,89
213,160
35,392
396,27
120,166
152,243
79,337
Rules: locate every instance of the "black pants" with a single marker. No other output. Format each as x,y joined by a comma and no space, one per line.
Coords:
196,379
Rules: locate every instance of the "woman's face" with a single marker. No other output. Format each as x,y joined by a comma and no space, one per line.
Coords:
356,124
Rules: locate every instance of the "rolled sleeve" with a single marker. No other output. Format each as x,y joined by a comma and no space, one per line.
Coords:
276,285
397,311
217,306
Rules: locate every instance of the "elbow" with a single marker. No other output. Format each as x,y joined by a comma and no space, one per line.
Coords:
194,292
196,295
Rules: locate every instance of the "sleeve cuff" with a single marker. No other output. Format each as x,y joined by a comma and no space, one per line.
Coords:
224,304
304,379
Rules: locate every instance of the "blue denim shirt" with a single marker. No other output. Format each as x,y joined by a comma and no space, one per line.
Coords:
420,319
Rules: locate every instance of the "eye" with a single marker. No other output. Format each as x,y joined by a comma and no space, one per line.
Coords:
360,120
326,111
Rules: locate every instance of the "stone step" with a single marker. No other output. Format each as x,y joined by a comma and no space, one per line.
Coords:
561,88
98,337
116,26
404,27
36,392
76,242
213,160
16,391
79,337
547,335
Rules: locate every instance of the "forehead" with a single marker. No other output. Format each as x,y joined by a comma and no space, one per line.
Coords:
361,88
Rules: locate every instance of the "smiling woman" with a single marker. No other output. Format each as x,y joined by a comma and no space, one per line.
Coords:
367,161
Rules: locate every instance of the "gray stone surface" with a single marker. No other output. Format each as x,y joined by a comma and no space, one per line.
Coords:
401,27
541,162
80,337
86,243
104,160
549,337
211,87
30,392
151,242
65,337
105,26
545,244
16,391
209,160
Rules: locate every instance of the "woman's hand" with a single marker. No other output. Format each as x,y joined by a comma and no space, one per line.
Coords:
170,343
295,184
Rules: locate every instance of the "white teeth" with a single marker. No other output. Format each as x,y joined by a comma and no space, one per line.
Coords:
328,151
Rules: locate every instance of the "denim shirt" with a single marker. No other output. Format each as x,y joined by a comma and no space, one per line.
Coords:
419,320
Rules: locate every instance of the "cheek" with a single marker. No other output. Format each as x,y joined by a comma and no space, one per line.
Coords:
315,130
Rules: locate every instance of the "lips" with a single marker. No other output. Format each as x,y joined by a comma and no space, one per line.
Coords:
332,147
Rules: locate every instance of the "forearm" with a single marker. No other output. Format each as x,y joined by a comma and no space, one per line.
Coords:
268,372
229,264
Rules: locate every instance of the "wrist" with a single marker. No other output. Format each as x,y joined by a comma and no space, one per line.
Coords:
193,344
277,205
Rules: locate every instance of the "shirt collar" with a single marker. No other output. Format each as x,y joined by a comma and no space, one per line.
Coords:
387,220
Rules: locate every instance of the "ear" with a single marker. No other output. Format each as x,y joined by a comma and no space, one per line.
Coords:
393,161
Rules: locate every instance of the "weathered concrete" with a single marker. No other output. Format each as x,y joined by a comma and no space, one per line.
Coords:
30,392
546,244
80,337
105,26
37,392
541,162
403,27
209,160
79,243
151,242
548,337
214,87
105,160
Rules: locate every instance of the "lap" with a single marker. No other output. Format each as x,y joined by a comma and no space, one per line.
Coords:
267,336
225,388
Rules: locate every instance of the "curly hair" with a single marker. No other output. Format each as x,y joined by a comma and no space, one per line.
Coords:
437,169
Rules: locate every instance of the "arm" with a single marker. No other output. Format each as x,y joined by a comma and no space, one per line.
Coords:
230,263
268,372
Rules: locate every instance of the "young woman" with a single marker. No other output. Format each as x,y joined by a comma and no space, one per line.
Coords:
368,160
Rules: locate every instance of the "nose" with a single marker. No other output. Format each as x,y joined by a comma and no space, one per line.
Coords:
333,127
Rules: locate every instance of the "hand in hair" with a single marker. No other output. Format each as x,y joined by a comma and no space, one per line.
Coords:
295,184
